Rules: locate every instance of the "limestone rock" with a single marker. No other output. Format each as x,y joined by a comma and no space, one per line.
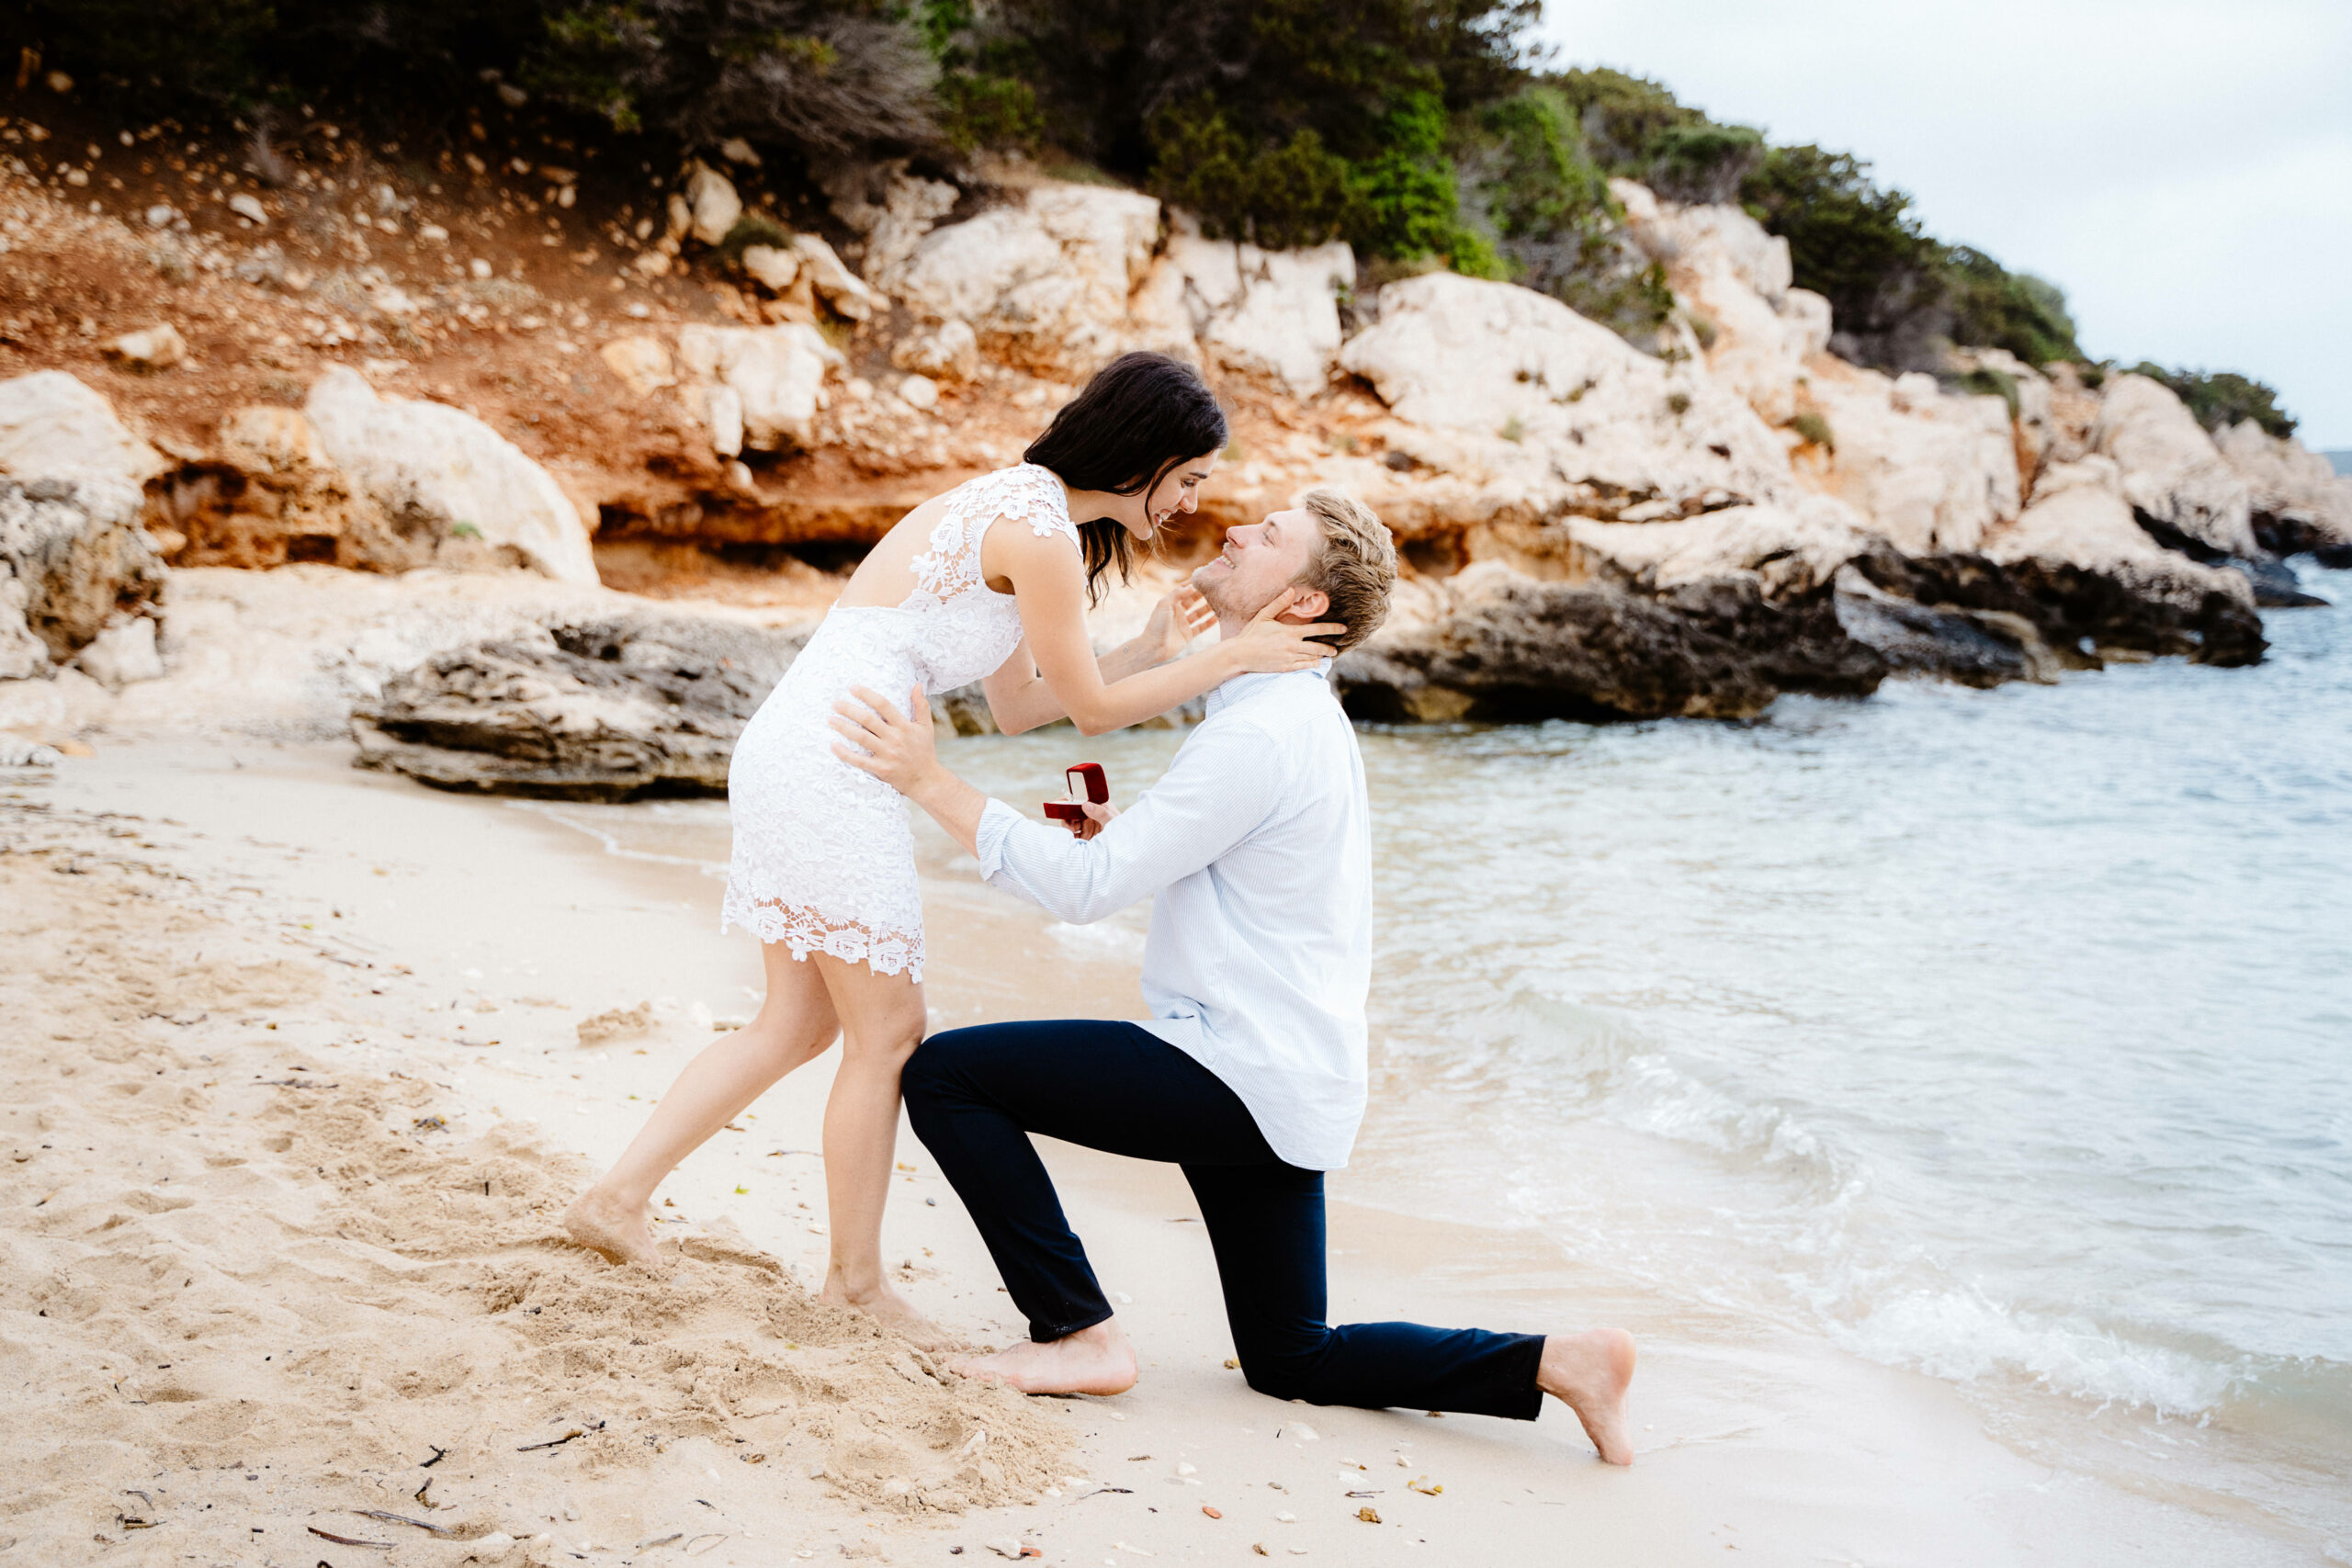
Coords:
157,347
919,392
122,653
2106,583
1556,409
1790,553
1785,549
844,290
1737,278
643,363
22,655
440,470
51,427
1931,471
1489,643
723,412
1271,311
1975,644
776,372
712,205
2300,505
891,208
600,709
1044,282
79,559
1708,236
946,351
2170,468
773,269
271,495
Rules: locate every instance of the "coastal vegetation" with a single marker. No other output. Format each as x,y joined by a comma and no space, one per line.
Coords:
1423,132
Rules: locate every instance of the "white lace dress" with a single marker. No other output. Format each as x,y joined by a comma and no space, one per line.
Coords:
823,860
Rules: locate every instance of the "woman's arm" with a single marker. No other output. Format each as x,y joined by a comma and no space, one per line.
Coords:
1020,700
1049,581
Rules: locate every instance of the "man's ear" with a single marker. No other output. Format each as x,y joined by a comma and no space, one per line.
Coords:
1308,608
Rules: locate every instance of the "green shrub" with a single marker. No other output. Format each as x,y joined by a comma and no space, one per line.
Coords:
1815,430
1621,116
1705,162
826,79
1987,382
1857,244
1298,194
1992,307
2220,398
1525,160
1677,403
979,110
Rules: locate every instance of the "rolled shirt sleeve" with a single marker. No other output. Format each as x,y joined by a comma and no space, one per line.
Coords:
1224,783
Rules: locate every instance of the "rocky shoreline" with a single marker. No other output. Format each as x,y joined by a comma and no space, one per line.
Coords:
1592,531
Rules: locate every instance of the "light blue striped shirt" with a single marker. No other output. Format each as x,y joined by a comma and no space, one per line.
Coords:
1256,848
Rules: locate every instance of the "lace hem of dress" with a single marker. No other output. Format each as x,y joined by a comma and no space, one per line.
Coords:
805,931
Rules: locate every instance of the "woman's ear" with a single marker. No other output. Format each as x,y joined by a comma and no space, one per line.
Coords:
1308,608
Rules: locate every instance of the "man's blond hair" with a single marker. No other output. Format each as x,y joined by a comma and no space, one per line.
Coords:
1354,565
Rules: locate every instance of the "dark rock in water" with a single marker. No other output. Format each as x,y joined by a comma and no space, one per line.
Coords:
2274,585
607,709
1509,648
1973,647
2078,610
2285,534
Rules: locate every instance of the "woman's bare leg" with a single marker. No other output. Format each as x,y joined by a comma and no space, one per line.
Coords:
882,1023
795,1024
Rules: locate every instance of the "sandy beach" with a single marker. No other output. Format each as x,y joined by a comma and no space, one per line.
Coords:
296,1087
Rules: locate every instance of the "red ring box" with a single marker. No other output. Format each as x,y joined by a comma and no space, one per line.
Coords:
1087,783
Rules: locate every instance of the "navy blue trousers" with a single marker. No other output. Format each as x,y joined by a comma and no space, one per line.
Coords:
975,1095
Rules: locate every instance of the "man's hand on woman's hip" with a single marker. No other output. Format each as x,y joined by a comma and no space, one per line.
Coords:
898,749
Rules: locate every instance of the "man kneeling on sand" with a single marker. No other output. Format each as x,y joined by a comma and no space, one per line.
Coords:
1256,850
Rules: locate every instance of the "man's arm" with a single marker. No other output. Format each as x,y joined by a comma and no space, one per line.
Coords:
1222,785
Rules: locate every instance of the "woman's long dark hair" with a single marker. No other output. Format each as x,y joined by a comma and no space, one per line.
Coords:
1141,415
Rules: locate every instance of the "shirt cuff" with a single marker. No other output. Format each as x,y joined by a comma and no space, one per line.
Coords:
997,819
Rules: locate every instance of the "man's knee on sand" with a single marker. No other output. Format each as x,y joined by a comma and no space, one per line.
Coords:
1288,1366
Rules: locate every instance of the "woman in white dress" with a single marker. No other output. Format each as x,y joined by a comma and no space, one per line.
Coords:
988,582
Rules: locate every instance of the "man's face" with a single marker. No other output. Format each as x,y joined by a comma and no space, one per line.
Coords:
1259,561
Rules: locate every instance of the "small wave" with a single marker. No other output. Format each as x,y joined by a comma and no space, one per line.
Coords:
1632,1082
1964,1337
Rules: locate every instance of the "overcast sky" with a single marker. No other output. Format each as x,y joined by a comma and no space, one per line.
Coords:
2182,168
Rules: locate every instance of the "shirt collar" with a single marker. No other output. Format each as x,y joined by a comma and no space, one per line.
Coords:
1241,687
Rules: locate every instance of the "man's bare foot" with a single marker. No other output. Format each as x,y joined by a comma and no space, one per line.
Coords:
600,1224
1093,1360
1588,1373
887,1305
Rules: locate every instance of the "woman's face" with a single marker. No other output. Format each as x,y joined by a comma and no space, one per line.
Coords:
1178,490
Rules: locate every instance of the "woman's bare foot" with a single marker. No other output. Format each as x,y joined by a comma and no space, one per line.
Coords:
1093,1360
601,1225
888,1308
1588,1373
